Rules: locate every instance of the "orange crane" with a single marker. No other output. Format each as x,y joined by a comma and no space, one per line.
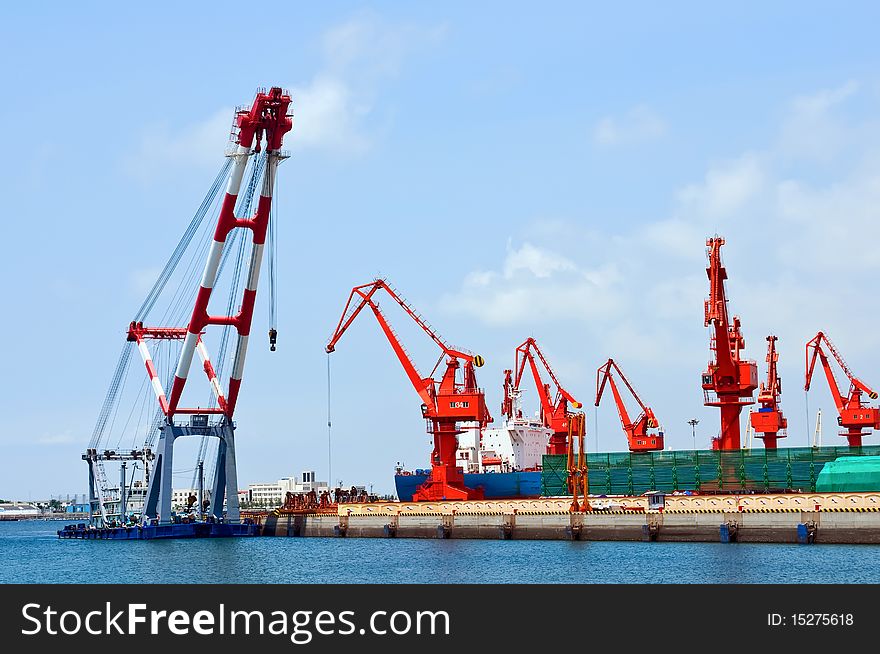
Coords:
444,403
636,431
554,411
578,480
768,421
853,414
728,381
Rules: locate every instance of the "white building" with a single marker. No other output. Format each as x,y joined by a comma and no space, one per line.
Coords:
180,498
271,494
18,511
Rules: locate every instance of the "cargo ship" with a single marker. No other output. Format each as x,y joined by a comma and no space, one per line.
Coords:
504,462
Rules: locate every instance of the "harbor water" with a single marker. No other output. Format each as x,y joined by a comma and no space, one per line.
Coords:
31,552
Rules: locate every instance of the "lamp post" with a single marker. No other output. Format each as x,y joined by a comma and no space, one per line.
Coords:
693,422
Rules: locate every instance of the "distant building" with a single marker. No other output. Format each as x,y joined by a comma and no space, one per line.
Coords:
272,494
77,508
180,498
18,511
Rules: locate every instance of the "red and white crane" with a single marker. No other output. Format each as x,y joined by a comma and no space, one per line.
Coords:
853,414
728,381
444,403
555,412
637,436
768,422
266,120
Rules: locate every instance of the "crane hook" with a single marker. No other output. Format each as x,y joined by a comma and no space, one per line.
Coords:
273,334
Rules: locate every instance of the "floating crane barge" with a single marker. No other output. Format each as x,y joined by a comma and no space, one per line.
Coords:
264,124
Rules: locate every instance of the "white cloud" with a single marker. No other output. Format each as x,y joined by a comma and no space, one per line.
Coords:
811,129
801,252
162,148
639,124
535,285
540,263
725,189
57,439
333,112
328,117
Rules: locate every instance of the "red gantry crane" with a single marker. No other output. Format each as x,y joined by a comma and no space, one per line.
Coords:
853,414
636,431
444,403
554,411
729,381
768,421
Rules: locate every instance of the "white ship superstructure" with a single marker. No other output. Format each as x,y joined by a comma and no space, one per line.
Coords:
516,446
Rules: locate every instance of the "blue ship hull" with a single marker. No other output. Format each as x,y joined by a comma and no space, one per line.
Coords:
496,485
150,532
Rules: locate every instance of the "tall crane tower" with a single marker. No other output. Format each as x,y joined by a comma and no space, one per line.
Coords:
853,414
444,402
555,412
637,435
728,381
266,120
768,421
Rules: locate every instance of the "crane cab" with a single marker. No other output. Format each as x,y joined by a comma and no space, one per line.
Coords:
864,417
647,443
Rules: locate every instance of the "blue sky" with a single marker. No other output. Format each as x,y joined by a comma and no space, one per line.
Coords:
514,172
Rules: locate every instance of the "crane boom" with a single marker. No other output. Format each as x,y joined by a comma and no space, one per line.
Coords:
730,379
637,435
853,414
444,403
423,386
554,410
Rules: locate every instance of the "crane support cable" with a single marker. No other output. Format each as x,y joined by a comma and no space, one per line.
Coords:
118,379
182,245
329,448
273,277
110,398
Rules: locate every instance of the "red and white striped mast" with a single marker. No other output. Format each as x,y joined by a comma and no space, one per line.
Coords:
267,119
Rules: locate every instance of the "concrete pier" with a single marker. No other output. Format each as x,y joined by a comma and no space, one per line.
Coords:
795,518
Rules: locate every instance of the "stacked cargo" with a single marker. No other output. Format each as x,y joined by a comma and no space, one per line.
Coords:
760,470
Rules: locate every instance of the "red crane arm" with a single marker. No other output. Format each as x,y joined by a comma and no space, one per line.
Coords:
727,340
543,389
600,382
769,392
423,386
523,354
621,407
816,344
507,402
351,312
